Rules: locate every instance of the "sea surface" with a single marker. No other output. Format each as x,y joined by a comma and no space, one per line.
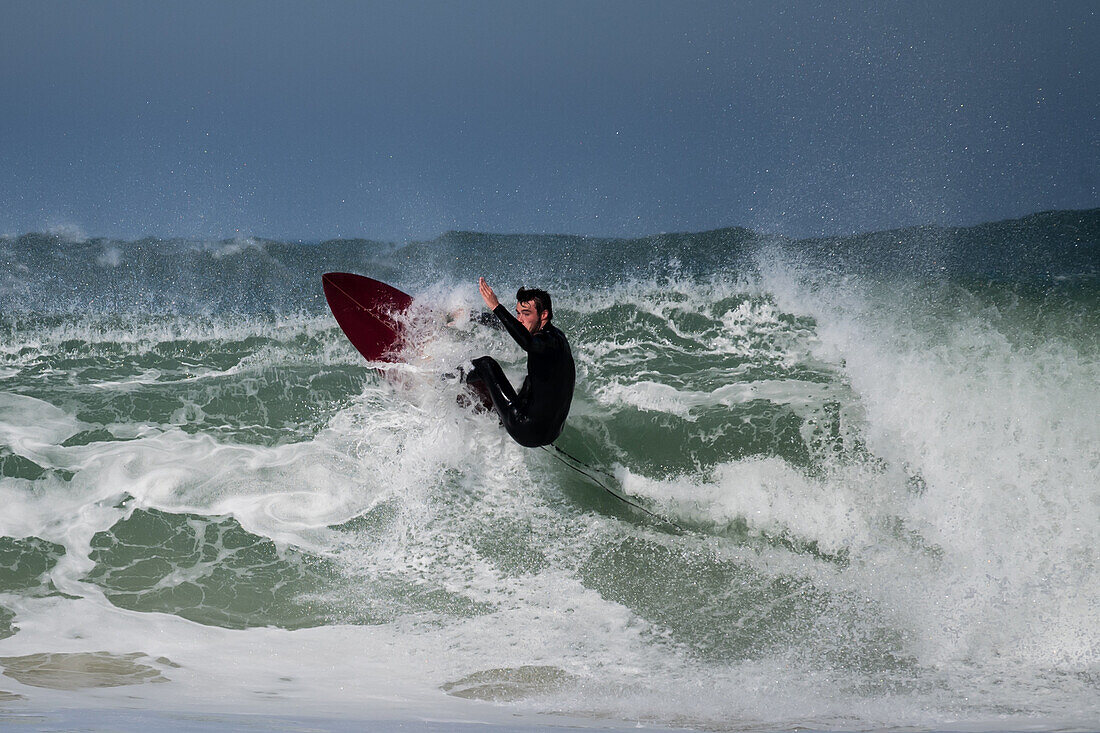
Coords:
866,473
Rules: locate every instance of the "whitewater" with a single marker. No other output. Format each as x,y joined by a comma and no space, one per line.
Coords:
868,466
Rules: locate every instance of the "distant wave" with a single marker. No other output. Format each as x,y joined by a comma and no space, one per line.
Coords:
56,271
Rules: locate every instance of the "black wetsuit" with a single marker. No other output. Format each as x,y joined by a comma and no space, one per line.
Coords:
536,415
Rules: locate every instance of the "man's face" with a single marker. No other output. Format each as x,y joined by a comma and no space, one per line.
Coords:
530,317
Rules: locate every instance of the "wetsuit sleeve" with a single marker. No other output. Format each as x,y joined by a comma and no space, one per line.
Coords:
515,329
486,319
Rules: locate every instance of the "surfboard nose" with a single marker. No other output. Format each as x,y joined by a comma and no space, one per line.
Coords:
365,309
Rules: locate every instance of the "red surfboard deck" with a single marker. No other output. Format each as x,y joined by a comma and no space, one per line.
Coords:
368,311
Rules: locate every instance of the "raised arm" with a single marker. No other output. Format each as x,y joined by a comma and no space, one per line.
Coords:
511,324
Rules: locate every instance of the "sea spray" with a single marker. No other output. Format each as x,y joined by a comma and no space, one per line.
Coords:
876,454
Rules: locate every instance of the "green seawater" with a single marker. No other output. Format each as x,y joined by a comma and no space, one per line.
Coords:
849,474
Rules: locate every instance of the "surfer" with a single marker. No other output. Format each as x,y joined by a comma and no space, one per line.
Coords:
535,415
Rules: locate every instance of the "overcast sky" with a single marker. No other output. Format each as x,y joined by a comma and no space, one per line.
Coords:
402,120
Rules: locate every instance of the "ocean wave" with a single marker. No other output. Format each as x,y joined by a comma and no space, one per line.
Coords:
859,477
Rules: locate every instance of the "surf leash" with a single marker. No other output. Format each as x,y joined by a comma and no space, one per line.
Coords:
608,489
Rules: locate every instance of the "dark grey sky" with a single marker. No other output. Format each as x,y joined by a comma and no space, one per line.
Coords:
404,119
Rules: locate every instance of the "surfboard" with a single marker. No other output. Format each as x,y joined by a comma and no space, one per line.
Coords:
370,313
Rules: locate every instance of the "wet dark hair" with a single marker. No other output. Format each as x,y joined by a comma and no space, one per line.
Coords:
541,298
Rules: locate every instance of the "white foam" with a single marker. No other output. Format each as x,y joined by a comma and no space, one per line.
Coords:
68,231
457,484
31,427
657,397
111,256
770,496
222,249
1008,460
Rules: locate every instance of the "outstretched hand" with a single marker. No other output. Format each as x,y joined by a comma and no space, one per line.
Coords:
487,294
